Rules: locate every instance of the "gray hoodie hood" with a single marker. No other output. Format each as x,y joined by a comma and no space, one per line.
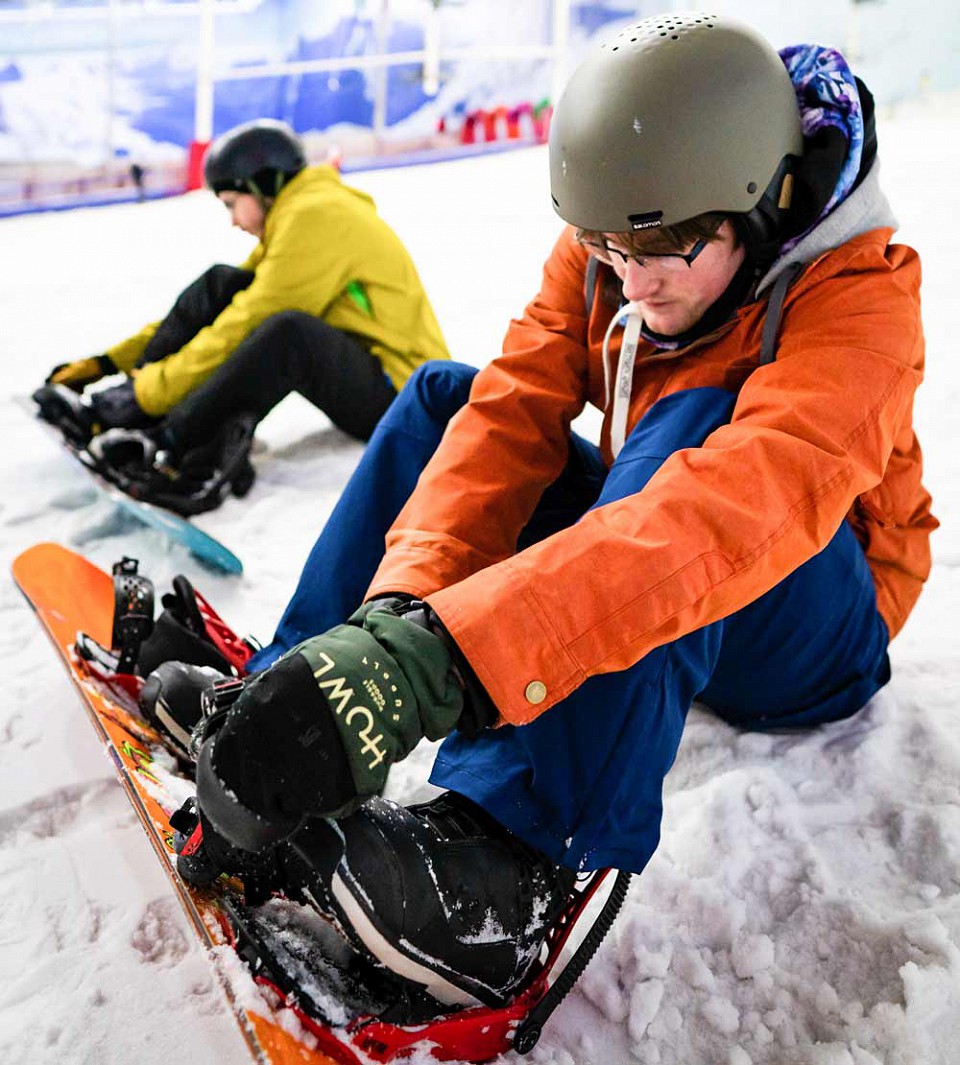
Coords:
864,209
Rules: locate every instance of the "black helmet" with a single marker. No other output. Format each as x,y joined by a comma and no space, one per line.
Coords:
676,116
258,157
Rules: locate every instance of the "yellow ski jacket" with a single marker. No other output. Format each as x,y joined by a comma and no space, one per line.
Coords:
326,251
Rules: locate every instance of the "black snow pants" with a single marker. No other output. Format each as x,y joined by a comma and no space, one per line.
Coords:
291,351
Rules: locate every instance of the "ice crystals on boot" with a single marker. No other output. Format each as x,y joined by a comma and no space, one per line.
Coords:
491,931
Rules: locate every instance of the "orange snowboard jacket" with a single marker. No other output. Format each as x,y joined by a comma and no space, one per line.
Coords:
823,434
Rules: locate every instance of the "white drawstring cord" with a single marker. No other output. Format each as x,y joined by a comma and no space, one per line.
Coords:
623,383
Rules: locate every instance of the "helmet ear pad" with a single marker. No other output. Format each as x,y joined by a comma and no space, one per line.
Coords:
764,228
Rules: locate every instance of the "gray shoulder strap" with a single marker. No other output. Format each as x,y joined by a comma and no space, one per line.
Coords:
771,323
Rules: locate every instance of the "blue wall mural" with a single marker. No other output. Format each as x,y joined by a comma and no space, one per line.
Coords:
91,91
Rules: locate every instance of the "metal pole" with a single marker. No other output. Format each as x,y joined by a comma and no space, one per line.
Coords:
431,46
561,48
203,113
108,145
380,76
489,53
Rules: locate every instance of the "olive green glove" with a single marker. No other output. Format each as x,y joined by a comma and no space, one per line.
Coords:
82,372
389,682
316,733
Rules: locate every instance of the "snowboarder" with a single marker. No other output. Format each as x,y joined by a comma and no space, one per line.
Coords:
751,532
328,304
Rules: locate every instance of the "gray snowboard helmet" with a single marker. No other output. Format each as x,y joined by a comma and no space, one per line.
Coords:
676,116
257,157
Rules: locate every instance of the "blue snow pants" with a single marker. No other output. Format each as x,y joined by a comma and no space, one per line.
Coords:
583,782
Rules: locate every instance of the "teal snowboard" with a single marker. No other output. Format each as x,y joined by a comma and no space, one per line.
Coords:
204,547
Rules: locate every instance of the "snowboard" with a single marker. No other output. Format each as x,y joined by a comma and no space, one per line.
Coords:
204,547
303,994
69,595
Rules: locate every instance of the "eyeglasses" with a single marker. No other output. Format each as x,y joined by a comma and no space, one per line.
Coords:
670,260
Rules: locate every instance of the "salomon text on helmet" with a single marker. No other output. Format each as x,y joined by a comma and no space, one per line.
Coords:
674,117
258,157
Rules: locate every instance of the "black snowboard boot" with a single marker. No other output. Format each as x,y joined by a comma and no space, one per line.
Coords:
172,700
195,481
63,407
439,893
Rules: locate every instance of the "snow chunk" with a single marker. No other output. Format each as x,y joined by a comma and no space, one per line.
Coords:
644,1006
831,1054
693,970
863,1057
751,954
721,1015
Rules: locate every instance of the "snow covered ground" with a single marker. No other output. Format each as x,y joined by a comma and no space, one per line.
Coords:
804,908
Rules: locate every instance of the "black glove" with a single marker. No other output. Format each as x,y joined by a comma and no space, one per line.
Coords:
117,407
276,757
317,732
81,372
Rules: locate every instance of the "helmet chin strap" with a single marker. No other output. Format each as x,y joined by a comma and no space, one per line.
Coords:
279,180
254,189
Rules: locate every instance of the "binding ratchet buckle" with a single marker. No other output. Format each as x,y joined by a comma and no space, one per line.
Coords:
132,612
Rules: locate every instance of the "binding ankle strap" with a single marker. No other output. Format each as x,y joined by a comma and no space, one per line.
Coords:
132,612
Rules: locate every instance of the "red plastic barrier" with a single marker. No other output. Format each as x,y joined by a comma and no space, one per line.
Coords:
195,156
520,122
468,135
541,123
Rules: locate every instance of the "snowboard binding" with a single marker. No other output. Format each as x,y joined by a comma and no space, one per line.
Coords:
359,1011
62,407
188,630
190,484
132,612
133,460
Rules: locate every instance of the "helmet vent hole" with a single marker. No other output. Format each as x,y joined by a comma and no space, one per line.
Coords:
645,33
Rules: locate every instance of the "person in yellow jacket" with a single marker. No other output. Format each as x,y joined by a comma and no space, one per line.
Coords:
329,304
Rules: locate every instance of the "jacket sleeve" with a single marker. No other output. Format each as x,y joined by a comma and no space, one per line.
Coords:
125,354
502,449
717,525
287,277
